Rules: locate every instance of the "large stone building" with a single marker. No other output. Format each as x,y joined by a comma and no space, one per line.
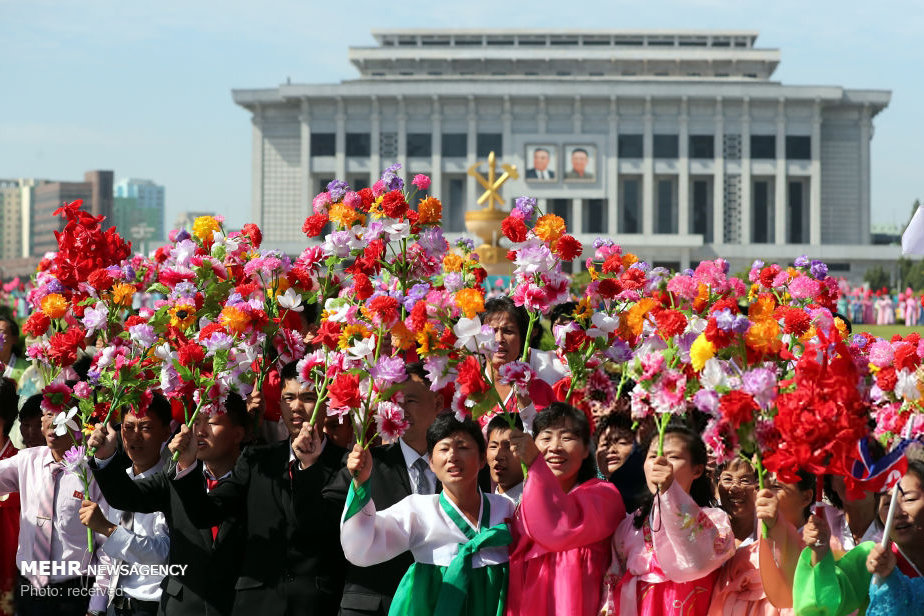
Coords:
678,144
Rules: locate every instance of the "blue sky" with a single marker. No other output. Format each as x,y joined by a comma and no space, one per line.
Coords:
145,88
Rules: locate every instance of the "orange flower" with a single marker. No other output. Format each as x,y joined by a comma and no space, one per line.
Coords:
583,310
426,339
122,294
701,299
470,301
343,215
54,305
634,317
762,309
452,262
763,335
628,260
401,337
235,319
549,228
430,211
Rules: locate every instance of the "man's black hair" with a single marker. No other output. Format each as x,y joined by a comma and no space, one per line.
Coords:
546,150
564,309
237,411
82,366
160,408
499,422
446,425
32,407
416,368
9,402
289,372
621,422
576,150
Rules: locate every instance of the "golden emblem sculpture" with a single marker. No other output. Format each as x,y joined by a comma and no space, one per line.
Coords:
486,222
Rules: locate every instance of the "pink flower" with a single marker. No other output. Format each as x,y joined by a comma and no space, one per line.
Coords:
390,421
651,365
353,200
379,188
721,440
421,181
320,203
517,373
641,407
667,396
803,287
684,286
880,354
82,390
307,365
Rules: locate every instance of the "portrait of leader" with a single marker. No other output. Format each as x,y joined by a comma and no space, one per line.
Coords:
541,161
581,163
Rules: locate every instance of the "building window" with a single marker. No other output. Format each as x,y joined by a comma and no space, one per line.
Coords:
760,227
630,146
595,216
454,219
666,221
357,144
763,146
489,142
665,146
561,207
798,148
702,146
419,144
795,214
455,145
630,218
702,212
323,144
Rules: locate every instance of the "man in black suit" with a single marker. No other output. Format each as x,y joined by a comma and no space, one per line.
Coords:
211,557
293,563
540,169
396,473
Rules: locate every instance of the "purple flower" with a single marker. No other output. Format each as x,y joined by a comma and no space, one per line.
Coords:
142,335
183,289
74,461
95,318
620,352
432,241
93,377
466,243
724,320
688,272
129,272
802,261
600,242
706,400
526,206
55,286
183,234
390,178
741,325
453,282
757,264
417,293
819,270
760,383
337,189
389,370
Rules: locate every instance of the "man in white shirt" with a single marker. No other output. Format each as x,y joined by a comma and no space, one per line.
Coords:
136,538
505,469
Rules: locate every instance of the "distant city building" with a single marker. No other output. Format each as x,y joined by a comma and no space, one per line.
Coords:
677,144
16,197
96,192
139,202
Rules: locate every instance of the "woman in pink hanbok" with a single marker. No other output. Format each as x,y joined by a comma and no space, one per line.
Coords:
912,308
867,305
566,519
758,580
668,553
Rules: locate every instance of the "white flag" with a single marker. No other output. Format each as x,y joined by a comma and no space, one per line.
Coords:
913,237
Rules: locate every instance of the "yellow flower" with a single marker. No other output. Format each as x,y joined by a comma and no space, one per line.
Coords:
182,314
54,305
204,227
430,210
235,319
470,301
593,272
426,338
701,352
349,333
549,228
873,369
452,262
583,310
122,294
375,210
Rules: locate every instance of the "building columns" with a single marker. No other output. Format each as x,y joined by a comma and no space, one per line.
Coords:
436,147
815,174
648,171
304,180
340,141
780,210
612,171
256,169
375,149
745,231
402,138
470,156
718,176
683,180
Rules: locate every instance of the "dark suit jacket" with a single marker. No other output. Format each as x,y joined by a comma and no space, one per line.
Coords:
371,589
207,587
532,174
293,563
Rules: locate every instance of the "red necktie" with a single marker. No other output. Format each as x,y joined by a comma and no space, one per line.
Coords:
209,485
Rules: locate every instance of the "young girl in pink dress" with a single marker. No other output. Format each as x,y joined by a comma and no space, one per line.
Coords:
566,518
667,554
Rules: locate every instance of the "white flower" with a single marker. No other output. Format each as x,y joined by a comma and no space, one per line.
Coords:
363,348
713,376
63,421
398,231
337,308
907,386
290,300
163,352
604,325
471,335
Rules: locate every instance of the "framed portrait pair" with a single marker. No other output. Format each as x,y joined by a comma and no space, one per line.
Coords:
546,162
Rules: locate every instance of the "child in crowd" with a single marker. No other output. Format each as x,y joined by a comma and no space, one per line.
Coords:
565,520
458,538
505,469
30,422
667,554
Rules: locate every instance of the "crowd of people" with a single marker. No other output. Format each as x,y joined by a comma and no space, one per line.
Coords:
561,513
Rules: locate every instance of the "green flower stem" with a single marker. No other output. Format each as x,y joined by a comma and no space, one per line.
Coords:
662,428
189,422
758,462
533,317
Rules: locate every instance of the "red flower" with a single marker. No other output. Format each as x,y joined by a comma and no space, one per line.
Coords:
253,232
768,274
344,391
670,323
394,204
100,280
362,287
328,334
470,382
716,335
171,278
480,274
210,329
609,288
64,346
886,379
384,310
906,357
367,197
574,340
568,248
726,303
418,317
314,224
612,264
737,407
134,320
37,324
190,353
632,279
514,229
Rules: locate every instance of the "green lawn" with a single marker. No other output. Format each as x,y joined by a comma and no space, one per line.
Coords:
887,331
